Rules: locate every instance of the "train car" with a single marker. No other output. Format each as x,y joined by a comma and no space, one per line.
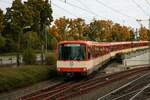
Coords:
72,57
84,57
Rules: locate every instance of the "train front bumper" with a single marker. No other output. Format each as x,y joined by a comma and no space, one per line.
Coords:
67,69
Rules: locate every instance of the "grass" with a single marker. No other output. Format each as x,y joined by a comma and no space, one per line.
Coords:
8,54
12,78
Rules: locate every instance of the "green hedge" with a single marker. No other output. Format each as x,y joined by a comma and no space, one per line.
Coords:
11,78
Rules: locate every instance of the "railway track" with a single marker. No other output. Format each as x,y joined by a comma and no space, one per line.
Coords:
144,93
74,88
136,89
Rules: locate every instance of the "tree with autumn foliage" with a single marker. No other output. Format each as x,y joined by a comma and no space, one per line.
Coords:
99,30
60,29
143,32
132,35
92,31
76,28
68,29
105,30
121,33
126,33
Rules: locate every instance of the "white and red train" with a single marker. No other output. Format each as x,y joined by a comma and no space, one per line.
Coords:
84,57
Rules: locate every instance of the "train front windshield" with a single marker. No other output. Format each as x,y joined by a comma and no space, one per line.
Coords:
72,52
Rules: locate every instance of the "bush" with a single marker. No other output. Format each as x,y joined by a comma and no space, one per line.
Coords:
2,41
30,39
51,59
11,78
29,56
53,43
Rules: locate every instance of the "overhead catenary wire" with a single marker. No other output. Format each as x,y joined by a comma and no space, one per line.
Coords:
70,13
67,11
147,2
140,7
91,12
87,7
115,10
64,9
52,4
86,10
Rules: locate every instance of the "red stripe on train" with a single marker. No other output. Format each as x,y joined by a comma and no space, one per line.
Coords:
71,69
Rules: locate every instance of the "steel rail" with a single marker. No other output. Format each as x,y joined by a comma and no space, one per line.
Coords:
71,89
122,87
78,91
140,92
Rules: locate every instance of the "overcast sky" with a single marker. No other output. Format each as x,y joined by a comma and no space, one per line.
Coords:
119,11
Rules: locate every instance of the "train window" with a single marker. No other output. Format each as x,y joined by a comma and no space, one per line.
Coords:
102,50
107,50
92,50
89,54
71,52
96,51
99,51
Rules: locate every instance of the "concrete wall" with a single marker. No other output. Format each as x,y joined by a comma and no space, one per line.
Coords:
137,58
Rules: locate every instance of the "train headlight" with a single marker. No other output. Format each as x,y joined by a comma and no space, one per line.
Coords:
58,69
84,69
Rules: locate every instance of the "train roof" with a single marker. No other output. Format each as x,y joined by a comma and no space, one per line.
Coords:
116,43
104,43
90,43
76,41
140,41
86,42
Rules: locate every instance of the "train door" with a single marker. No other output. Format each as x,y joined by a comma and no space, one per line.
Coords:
108,54
90,60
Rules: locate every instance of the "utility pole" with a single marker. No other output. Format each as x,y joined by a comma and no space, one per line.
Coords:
149,38
136,34
46,40
139,20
